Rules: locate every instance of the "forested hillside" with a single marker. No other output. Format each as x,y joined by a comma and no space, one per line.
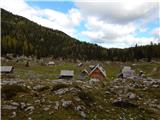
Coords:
21,36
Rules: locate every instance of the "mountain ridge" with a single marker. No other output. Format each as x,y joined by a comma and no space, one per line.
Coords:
21,36
21,33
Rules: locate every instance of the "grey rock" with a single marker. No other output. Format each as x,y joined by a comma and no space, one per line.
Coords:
65,90
57,105
37,101
66,103
13,114
10,81
93,81
83,114
100,107
127,72
78,108
77,99
131,95
9,107
107,92
15,104
30,108
29,87
155,86
46,109
61,91
39,87
22,105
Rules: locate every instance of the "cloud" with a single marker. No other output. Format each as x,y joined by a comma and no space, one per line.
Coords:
118,24
109,24
119,12
129,41
156,32
65,22
98,29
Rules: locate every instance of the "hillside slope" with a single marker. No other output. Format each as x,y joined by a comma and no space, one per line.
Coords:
22,36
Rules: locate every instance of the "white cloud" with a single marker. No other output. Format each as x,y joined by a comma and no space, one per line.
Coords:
129,41
98,29
115,24
118,12
156,32
109,24
65,22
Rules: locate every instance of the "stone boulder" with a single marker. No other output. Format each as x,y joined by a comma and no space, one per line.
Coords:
119,102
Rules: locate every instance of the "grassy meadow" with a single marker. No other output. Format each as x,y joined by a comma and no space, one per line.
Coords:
37,70
41,74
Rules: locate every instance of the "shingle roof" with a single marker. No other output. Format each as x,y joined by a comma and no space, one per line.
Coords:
100,68
51,63
67,73
6,68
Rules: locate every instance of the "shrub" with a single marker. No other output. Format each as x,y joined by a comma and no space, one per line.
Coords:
59,86
43,88
86,97
9,91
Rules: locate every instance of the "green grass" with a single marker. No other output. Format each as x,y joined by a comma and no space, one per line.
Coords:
148,68
37,71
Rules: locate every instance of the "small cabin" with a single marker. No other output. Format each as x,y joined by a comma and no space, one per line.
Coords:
84,74
97,72
50,63
66,74
7,69
80,65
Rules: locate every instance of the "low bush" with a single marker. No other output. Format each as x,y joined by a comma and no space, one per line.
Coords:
59,86
9,91
86,97
43,89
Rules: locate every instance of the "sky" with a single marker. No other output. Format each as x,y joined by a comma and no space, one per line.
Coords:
108,23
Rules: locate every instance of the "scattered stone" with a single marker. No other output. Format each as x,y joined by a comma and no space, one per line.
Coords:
30,109
155,69
40,88
13,114
123,103
79,108
29,87
57,105
134,64
100,107
95,117
83,114
22,105
66,103
77,99
65,90
131,95
127,72
43,100
93,81
46,109
15,104
37,101
141,73
9,107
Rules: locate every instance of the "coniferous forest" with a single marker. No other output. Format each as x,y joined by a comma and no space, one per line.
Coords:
21,36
